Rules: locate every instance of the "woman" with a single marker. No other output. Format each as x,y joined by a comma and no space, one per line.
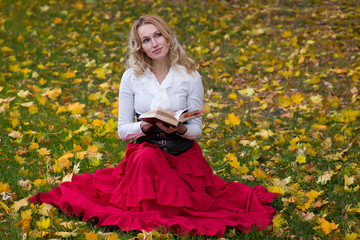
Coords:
163,181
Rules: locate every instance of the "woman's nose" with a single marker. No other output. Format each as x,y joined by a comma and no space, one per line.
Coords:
154,42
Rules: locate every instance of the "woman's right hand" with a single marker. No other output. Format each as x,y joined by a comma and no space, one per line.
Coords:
145,126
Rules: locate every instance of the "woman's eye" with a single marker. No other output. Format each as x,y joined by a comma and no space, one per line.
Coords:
158,35
145,40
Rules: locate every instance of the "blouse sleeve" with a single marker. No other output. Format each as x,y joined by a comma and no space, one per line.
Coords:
194,102
127,127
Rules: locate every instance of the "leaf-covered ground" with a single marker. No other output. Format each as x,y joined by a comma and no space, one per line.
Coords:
282,104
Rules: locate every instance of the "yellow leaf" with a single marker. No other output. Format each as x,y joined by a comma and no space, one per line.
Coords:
77,148
57,20
76,108
278,221
43,151
247,92
3,206
23,94
323,179
276,189
352,236
243,58
301,159
14,68
78,5
269,69
52,94
286,34
42,81
326,226
45,209
16,134
348,180
265,134
33,146
297,98
69,74
66,234
4,187
258,173
33,109
43,224
81,155
232,120
232,96
91,236
40,182
18,204
100,72
112,237
61,109
6,49
316,99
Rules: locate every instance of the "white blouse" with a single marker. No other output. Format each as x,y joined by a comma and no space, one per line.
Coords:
179,90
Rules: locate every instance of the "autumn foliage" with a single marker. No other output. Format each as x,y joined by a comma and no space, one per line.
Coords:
282,106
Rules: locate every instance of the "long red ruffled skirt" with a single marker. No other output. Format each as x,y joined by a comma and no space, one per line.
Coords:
151,188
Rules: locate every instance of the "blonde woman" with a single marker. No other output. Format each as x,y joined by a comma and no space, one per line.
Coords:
163,182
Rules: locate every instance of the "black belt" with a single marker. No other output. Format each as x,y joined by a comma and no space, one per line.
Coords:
168,142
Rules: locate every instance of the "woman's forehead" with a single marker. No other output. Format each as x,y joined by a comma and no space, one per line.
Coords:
147,30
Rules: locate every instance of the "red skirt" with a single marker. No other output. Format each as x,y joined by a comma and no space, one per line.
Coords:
151,189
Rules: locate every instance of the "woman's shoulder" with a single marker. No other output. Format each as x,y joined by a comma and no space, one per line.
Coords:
192,75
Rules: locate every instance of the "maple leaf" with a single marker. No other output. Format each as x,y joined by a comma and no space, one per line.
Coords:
323,179
258,173
43,151
326,226
45,209
348,180
247,92
4,187
232,120
278,221
52,94
351,236
301,159
43,224
23,94
297,98
76,108
15,134
19,204
91,236
33,146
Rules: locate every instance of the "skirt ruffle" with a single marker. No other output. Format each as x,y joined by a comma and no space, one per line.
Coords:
152,189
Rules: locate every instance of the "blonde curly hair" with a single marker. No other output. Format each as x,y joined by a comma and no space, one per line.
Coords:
139,61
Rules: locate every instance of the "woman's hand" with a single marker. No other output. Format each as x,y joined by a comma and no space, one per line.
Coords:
145,126
181,129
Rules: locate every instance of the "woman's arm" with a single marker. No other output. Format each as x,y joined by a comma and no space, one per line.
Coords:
127,127
195,101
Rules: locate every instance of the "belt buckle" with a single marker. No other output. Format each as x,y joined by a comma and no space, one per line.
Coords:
163,142
162,135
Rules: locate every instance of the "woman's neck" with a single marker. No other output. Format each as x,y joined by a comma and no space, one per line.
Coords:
161,69
161,66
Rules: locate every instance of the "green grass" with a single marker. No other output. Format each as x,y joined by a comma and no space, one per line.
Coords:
274,49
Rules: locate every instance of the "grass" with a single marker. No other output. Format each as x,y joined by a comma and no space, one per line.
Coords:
288,70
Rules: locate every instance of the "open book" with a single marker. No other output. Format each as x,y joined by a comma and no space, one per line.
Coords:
168,118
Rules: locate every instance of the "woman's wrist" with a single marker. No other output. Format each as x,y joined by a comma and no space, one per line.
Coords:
181,130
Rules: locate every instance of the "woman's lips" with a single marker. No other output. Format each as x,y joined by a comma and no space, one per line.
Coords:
157,50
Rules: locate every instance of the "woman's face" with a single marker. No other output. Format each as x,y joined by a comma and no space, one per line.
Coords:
153,43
